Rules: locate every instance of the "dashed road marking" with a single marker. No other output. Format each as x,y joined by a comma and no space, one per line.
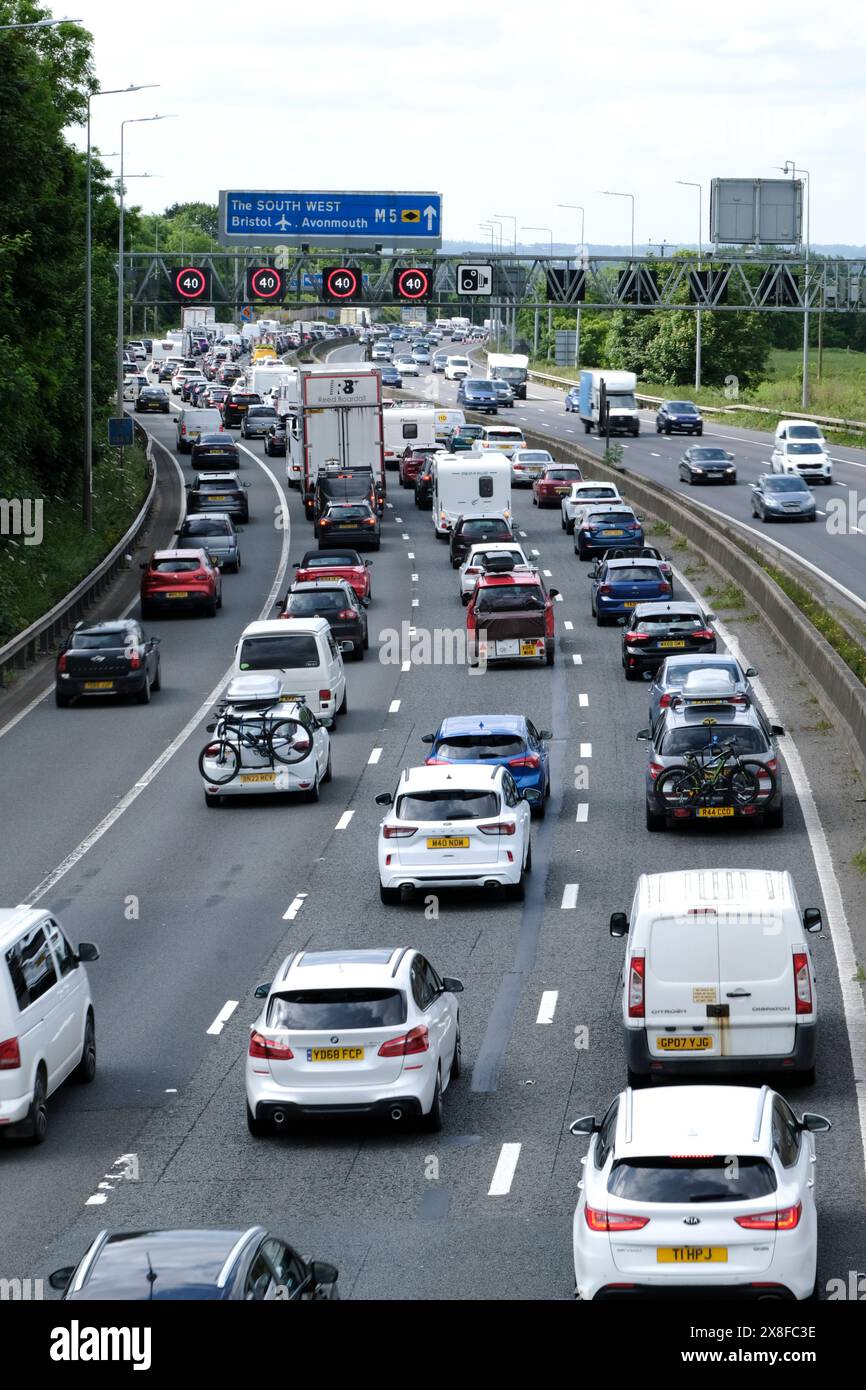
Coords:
294,907
583,700
569,897
223,1017
586,750
343,822
394,706
582,812
503,1175
547,1007
374,756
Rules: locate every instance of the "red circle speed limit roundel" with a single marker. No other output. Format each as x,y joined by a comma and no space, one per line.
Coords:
190,283
341,282
413,283
266,283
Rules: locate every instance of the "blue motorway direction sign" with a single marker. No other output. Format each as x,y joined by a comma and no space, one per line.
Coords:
351,220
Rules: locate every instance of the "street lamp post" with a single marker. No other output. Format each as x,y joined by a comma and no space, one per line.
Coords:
549,231
489,227
43,24
688,183
791,164
136,120
580,252
87,493
510,217
609,193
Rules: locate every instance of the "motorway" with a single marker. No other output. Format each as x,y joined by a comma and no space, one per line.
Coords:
192,910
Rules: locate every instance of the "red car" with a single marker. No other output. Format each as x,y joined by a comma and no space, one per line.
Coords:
554,484
510,616
336,564
176,578
412,462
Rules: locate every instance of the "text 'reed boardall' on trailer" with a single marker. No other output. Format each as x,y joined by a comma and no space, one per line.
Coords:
333,416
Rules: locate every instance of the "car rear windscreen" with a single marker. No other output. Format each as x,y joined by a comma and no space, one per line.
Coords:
313,1009
684,622
621,518
96,641
456,804
635,574
205,526
697,739
685,1181
506,598
678,670
310,605
471,747
485,528
176,566
331,560
292,652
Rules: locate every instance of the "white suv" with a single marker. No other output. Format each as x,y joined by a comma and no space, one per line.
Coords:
353,1032
455,827
807,458
582,493
47,1030
692,1187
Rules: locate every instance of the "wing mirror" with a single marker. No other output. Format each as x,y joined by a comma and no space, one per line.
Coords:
533,796
323,1273
585,1125
554,593
545,733
751,671
384,799
777,729
812,920
87,951
815,1124
61,1278
643,736
451,985
618,924
261,991
428,738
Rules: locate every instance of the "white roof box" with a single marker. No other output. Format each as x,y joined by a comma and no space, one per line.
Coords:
261,691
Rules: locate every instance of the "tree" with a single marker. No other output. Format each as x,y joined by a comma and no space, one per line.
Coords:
203,217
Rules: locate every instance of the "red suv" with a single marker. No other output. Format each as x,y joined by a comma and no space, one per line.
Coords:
510,616
554,484
177,578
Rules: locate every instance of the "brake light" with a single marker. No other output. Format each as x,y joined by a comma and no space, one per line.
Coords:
665,701
802,984
636,975
324,695
598,1220
407,1045
324,521
638,636
526,760
10,1055
704,634
398,832
605,589
772,764
134,661
261,1046
655,769
785,1220
665,587
499,827
61,665
473,569
346,613
369,521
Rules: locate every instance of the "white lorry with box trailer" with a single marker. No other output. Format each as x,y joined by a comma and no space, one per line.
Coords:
333,416
622,407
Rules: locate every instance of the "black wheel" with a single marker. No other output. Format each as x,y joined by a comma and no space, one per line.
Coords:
156,683
37,1116
654,821
432,1121
146,612
143,695
516,892
551,655
211,609
358,651
679,786
457,1059
581,550
667,429
527,868
259,1129
587,427
344,703
774,820
630,674
600,621
219,602
313,794
85,1072
328,774
700,429
61,700
389,896
228,761
636,1079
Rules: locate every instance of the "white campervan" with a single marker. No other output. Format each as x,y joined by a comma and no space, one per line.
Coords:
406,426
469,484
718,974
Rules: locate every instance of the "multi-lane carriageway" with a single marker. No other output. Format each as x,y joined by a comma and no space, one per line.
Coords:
103,817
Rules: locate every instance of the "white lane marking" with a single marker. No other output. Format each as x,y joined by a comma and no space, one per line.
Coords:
399,520
414,578
406,666
568,431
569,627
344,820
405,535
37,699
410,554
374,756
582,812
506,1167
548,574
583,700
547,1007
534,552
223,1017
586,750
294,907
390,504
654,456
522,533
577,659
189,728
416,602
394,706
96,1200
171,1090
569,897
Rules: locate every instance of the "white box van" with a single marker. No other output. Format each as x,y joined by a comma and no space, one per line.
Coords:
469,484
803,431
192,423
304,657
47,1031
718,974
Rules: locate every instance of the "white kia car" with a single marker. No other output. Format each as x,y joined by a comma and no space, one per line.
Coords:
473,565
697,1187
264,744
455,827
807,458
353,1032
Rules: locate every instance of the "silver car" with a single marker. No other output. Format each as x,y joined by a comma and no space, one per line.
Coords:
675,671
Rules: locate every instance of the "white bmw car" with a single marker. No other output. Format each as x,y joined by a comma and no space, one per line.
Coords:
353,1032
455,827
697,1187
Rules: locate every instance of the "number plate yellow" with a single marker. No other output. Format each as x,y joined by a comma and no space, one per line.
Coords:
448,842
672,644
685,1042
528,649
99,685
178,593
710,811
335,1054
691,1254
258,776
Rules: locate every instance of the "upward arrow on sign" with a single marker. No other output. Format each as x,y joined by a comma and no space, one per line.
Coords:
429,213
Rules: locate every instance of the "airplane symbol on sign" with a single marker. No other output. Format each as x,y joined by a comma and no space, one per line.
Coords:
283,223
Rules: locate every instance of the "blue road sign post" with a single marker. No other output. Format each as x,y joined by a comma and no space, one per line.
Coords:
350,220
120,431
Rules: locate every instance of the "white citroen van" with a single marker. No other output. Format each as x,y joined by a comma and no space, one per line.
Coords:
718,974
304,657
47,1030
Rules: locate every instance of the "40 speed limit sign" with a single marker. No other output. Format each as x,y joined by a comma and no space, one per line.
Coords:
264,282
191,283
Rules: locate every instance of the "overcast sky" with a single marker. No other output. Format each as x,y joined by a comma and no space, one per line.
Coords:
503,107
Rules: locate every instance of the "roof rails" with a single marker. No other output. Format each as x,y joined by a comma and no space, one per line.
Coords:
399,960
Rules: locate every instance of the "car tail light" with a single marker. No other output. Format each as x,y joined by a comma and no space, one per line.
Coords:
786,1219
665,587
369,521
655,769
703,634
772,764
435,762
499,827
10,1055
61,664
605,590
324,695
134,661
398,832
665,701
802,984
638,636
473,569
525,760
598,1220
407,1045
346,613
636,975
324,521
261,1046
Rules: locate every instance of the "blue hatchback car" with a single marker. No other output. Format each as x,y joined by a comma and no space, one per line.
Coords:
618,586
506,740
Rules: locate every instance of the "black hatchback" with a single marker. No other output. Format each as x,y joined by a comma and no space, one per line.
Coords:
704,464
656,631
348,523
218,449
152,398
111,658
476,530
680,417
218,492
336,601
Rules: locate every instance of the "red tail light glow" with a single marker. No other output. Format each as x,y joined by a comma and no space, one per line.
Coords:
802,984
10,1055
134,661
61,665
787,1219
605,589
636,976
655,769
407,1045
324,695
526,760
398,832
261,1046
598,1220
703,634
499,827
